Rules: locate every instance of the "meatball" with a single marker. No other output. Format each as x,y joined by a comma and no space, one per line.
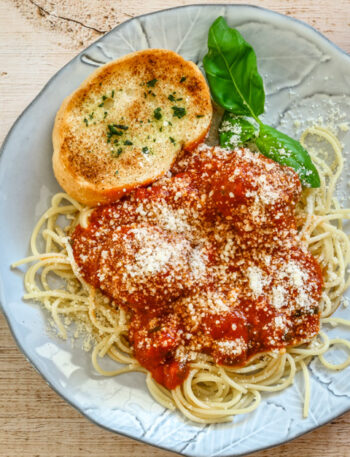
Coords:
142,265
243,186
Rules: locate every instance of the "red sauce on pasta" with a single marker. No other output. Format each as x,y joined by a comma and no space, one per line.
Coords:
206,260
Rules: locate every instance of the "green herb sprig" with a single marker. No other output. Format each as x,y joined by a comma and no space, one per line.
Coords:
236,85
157,113
178,111
152,82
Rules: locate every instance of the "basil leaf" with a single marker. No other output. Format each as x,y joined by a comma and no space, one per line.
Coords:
237,86
235,131
286,151
232,72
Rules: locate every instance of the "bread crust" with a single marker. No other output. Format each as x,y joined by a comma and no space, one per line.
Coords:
90,178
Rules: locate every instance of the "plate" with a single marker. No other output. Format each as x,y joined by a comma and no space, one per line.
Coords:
304,74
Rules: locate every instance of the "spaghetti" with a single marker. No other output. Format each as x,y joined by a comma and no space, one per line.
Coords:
210,393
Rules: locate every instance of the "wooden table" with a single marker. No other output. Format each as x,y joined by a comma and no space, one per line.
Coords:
34,420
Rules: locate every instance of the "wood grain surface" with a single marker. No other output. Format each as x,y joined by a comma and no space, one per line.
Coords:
34,420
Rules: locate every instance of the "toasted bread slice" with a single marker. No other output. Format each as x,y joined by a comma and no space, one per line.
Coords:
126,124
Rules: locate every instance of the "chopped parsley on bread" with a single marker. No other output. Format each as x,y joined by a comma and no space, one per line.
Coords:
126,124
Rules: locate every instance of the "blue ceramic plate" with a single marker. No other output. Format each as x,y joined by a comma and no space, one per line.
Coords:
305,76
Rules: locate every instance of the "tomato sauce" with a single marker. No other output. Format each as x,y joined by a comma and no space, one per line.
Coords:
206,260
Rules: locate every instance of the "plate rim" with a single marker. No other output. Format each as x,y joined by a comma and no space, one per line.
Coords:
267,11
